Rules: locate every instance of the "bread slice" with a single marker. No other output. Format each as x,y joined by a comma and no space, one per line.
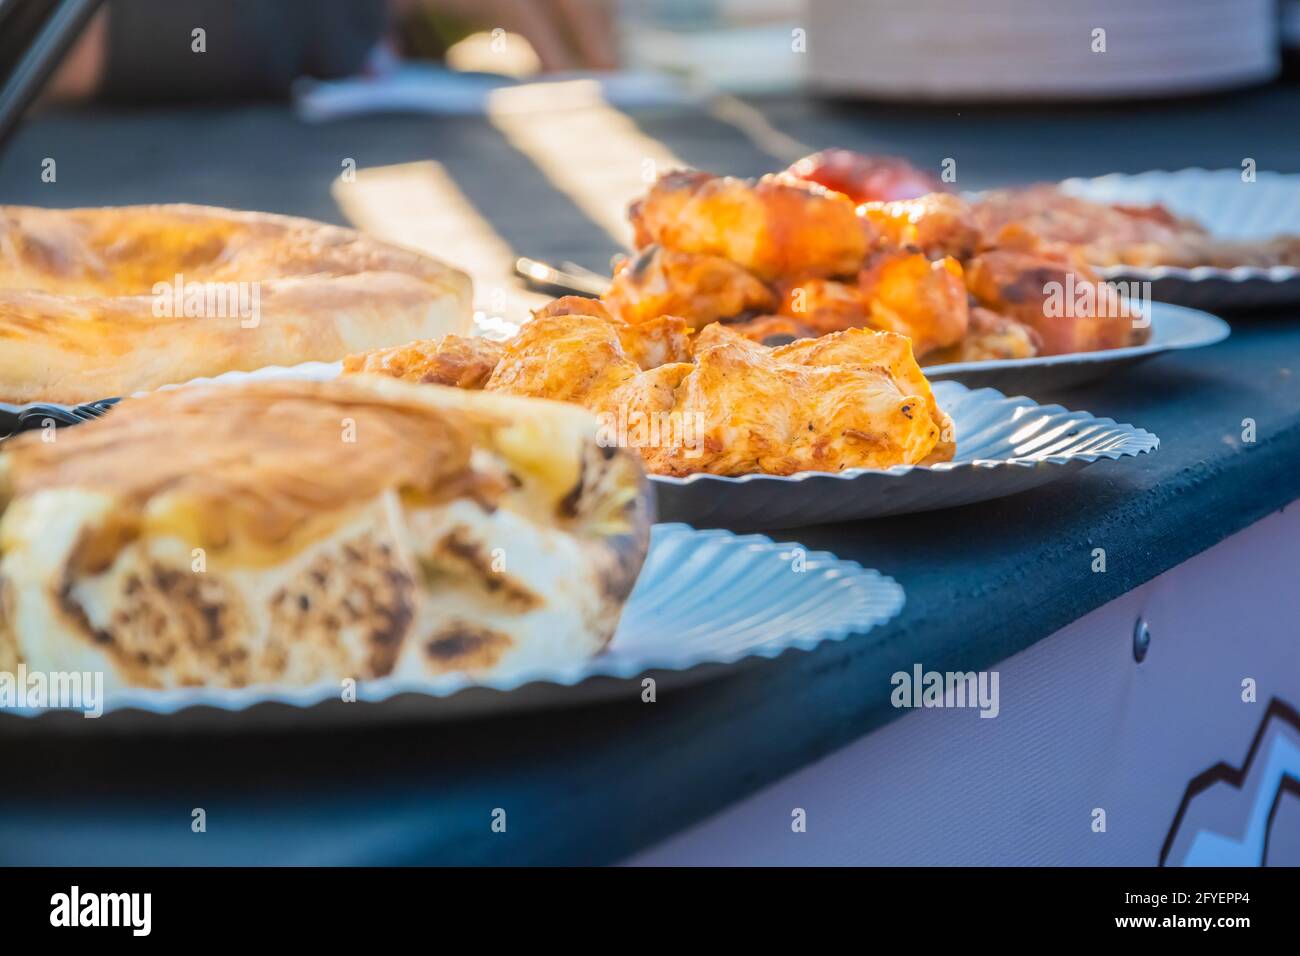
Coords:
101,303
294,532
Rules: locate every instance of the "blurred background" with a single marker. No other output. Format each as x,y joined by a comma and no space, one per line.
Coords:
487,130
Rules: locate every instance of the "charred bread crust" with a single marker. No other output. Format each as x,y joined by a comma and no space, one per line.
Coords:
294,532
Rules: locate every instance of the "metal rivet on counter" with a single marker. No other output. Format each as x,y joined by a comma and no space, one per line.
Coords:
1141,640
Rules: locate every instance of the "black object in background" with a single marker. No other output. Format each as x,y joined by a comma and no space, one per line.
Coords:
252,49
35,35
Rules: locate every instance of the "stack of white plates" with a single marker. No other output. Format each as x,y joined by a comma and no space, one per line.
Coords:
1039,49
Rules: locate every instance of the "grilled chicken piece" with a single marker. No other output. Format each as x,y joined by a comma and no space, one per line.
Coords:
938,224
772,330
470,362
990,336
572,358
865,178
846,400
852,399
1118,234
1106,234
913,296
451,360
1049,288
775,226
825,305
893,351
699,288
650,342
898,292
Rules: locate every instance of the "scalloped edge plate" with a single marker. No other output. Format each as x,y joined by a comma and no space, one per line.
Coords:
1230,209
1173,328
695,613
762,502
1004,446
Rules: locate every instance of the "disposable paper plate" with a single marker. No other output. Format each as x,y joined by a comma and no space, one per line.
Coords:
1173,327
1004,446
705,601
1228,207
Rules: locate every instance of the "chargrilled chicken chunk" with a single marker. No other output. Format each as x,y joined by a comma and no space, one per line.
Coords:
989,336
451,360
825,305
894,351
772,330
898,292
1117,234
852,399
699,288
865,178
913,296
649,342
1107,234
778,259
1049,288
774,226
470,362
800,408
937,224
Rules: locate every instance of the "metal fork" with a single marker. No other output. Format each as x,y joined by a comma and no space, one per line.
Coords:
18,418
567,277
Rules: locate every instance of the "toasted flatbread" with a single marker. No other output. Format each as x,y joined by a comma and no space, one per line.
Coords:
100,303
295,532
